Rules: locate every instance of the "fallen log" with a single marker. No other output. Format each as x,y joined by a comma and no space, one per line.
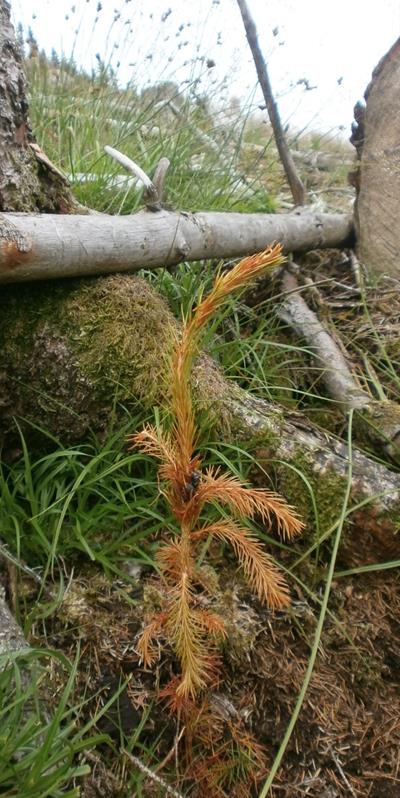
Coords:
50,246
375,421
308,463
71,353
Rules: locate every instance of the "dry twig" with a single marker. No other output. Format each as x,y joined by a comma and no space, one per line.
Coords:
296,186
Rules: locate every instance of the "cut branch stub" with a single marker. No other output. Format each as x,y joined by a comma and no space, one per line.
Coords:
151,195
159,176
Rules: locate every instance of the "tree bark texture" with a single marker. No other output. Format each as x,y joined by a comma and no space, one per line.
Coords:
11,637
28,182
376,138
71,352
54,246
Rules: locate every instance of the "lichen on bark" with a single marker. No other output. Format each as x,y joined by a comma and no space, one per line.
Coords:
26,183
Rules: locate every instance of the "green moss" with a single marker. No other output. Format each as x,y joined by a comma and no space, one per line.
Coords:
71,351
318,497
80,348
327,418
121,332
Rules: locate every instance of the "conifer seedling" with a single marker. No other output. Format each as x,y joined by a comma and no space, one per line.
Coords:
184,621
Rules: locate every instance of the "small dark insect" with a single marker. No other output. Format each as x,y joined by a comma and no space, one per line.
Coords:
191,486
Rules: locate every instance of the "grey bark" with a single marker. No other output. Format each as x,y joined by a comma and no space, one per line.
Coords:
296,186
335,373
376,138
54,246
11,637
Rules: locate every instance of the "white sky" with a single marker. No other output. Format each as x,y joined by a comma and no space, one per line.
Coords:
324,42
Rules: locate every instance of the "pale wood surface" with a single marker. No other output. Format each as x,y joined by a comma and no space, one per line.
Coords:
52,246
378,203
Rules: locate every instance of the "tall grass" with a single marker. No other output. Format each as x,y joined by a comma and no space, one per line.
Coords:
75,114
62,504
42,738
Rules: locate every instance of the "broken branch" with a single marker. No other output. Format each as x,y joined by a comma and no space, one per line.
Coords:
378,421
47,246
296,186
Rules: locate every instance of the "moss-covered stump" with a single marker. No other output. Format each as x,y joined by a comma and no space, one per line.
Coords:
73,353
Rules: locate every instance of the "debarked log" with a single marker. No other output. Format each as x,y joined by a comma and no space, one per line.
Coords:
72,352
51,246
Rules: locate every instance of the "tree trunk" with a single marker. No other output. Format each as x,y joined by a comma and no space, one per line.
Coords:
72,352
50,246
28,181
376,138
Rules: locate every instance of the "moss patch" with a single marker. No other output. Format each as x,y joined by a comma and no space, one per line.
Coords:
71,351
318,498
121,333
